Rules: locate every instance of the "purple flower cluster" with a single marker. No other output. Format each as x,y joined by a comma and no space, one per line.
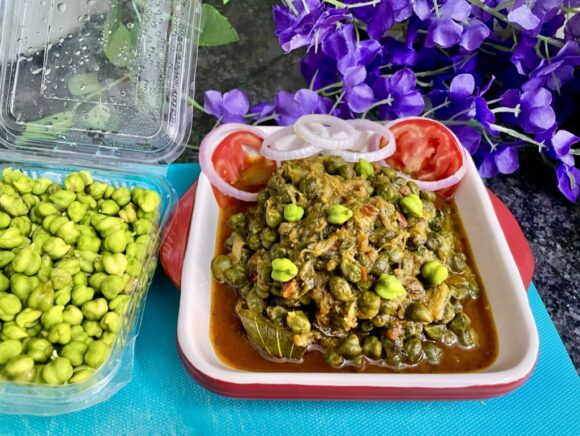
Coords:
502,75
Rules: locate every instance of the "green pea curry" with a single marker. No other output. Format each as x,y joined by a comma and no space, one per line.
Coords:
347,267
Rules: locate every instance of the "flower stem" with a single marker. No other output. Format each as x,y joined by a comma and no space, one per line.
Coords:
436,8
266,119
513,110
515,134
493,12
436,108
341,5
337,102
331,86
196,105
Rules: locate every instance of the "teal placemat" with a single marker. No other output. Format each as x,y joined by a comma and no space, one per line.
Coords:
163,399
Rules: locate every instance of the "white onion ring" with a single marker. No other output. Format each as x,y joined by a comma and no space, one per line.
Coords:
326,142
375,154
432,185
269,152
206,151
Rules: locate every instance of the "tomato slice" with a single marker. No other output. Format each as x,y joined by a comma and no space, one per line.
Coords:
426,150
238,161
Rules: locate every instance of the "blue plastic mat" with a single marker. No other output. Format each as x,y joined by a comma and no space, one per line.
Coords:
163,399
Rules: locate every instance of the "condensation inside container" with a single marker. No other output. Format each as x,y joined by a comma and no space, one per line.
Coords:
95,71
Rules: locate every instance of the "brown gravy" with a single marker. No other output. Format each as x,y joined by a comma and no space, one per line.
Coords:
234,349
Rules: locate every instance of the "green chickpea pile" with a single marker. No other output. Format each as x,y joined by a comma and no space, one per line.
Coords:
351,259
70,257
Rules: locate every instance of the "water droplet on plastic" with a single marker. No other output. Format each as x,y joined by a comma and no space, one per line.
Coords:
130,26
61,7
36,70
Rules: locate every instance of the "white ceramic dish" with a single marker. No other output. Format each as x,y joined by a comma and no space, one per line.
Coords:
517,333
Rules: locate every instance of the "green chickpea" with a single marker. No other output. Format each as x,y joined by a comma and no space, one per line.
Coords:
350,347
236,276
52,317
12,331
86,177
82,375
82,294
364,168
8,349
340,289
142,227
293,213
88,243
389,287
60,278
94,310
122,196
149,201
76,211
28,318
39,349
96,354
6,258
57,371
62,199
109,207
13,206
41,298
74,351
115,264
74,182
97,190
434,331
413,349
77,333
10,306
96,280
56,248
338,214
116,242
419,312
434,272
27,261
23,224
460,324
4,220
283,270
111,322
60,334
20,368
268,237
4,282
72,315
128,213
119,304
412,205
369,304
22,286
68,232
351,270
433,353
273,217
40,186
298,322
10,238
372,347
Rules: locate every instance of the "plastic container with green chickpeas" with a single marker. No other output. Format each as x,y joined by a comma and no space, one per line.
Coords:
91,111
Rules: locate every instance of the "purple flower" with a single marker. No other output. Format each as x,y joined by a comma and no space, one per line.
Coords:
290,107
523,16
470,137
504,160
446,30
536,114
359,96
230,107
343,47
557,71
559,145
399,95
524,56
569,181
306,23
318,69
262,110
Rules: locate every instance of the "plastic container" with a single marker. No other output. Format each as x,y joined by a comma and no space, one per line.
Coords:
100,85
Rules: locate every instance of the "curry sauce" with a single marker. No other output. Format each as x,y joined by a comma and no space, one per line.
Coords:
234,348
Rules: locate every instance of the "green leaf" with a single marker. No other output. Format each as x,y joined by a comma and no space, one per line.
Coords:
98,118
118,40
271,339
48,128
215,28
83,84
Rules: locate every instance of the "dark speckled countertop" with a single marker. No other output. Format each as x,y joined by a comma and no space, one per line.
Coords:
551,224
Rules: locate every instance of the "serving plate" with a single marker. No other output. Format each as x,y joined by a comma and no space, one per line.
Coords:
517,333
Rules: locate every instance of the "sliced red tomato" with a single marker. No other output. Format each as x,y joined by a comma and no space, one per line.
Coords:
238,161
426,150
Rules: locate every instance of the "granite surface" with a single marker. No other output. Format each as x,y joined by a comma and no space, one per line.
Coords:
551,224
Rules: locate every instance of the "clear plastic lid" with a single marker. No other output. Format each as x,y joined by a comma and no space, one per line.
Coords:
97,80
